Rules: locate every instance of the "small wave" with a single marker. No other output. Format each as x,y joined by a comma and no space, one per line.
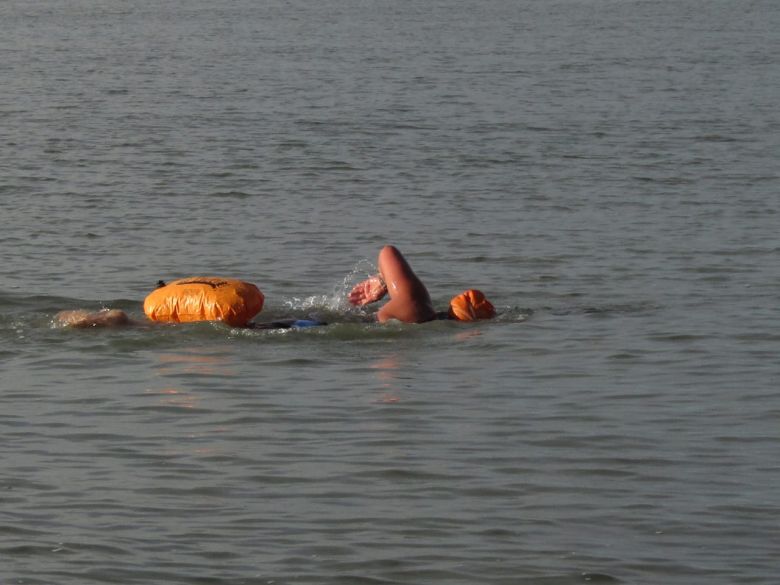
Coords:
599,578
512,314
231,195
605,310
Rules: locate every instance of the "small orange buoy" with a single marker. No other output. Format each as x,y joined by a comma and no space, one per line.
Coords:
205,298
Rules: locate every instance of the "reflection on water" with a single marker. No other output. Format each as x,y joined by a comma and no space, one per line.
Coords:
190,362
467,335
386,372
178,397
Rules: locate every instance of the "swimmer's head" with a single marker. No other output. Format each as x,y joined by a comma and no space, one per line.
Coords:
471,305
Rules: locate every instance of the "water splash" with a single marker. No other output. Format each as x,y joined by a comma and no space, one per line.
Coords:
336,301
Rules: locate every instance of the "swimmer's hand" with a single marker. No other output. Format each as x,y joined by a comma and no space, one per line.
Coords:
369,291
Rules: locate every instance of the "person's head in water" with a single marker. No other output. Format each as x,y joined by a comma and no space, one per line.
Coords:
471,305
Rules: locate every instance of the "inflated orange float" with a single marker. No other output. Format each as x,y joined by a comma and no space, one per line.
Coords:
205,298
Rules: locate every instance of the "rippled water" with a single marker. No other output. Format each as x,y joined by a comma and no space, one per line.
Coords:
606,171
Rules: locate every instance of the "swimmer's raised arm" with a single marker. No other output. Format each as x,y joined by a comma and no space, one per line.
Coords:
409,299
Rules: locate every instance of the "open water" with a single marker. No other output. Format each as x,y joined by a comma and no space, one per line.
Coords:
606,171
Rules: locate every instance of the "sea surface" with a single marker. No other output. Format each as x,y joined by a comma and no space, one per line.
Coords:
606,171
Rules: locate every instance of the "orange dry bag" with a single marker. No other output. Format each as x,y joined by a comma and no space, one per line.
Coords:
205,298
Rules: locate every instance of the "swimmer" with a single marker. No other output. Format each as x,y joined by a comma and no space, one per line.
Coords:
409,299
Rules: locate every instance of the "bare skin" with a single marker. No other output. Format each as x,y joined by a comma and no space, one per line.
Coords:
81,318
409,299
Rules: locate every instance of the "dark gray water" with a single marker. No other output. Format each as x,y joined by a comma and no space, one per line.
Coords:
606,171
